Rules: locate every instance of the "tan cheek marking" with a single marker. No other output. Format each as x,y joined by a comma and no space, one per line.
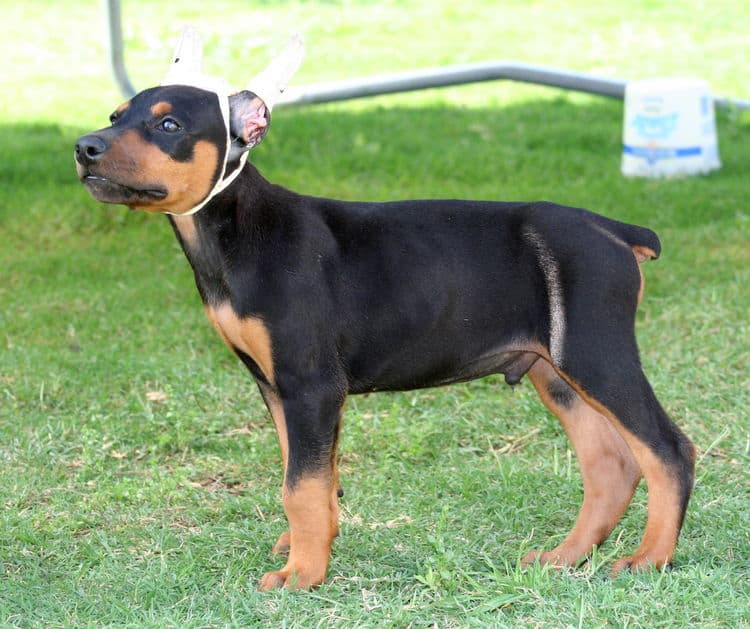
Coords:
124,159
136,163
161,108
249,335
191,181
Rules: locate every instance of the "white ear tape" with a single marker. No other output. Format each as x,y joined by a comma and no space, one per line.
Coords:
187,60
187,65
270,84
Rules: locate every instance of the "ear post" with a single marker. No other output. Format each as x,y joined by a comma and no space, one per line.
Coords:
187,59
270,84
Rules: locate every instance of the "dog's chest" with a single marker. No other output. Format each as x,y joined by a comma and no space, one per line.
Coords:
248,335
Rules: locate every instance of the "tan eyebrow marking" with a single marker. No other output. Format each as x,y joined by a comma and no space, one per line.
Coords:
122,107
161,108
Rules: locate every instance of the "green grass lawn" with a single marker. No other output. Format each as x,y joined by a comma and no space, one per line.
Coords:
139,473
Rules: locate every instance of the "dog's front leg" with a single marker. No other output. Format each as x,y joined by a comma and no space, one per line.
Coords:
308,427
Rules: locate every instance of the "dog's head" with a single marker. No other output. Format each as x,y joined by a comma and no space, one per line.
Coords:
172,148
166,149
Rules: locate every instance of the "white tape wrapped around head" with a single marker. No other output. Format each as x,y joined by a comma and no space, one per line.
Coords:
270,84
186,69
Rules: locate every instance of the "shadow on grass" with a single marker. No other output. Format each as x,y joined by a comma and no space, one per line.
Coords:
557,149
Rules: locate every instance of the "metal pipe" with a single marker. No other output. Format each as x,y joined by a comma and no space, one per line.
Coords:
452,75
116,48
463,74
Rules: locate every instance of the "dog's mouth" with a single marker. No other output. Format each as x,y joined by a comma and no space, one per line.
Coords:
108,191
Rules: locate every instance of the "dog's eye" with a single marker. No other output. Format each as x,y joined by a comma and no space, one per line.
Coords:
169,125
113,117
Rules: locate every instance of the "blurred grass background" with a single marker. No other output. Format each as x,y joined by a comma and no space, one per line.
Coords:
139,473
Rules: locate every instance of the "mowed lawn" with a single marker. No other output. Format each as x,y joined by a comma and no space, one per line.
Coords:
139,472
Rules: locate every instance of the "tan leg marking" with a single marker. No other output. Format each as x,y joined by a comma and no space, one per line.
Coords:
610,473
664,513
276,408
336,484
664,509
249,335
283,544
642,286
311,532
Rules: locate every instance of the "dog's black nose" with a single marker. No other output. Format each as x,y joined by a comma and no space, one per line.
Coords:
89,149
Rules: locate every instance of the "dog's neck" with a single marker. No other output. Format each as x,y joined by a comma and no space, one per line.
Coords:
238,221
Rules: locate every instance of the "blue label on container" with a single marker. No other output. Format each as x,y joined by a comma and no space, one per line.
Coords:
653,155
656,127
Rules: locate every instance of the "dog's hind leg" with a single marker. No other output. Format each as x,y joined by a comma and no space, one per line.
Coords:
666,458
610,472
593,294
612,383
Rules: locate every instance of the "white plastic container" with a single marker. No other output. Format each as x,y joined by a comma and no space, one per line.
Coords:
669,129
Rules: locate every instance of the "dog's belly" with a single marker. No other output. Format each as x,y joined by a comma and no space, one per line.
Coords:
513,364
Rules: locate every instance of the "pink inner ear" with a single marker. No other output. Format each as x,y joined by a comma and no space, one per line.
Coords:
254,123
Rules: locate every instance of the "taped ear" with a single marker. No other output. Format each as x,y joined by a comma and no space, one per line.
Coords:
249,118
270,84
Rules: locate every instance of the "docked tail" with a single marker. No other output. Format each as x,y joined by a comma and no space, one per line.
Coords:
643,241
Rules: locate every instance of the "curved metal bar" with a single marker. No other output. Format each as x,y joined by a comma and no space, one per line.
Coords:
467,73
452,75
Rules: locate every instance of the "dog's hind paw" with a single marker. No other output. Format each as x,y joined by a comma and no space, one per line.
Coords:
288,579
556,558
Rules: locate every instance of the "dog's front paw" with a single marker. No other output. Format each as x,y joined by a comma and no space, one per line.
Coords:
282,545
639,562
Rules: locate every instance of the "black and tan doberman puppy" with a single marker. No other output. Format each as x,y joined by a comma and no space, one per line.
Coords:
322,298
